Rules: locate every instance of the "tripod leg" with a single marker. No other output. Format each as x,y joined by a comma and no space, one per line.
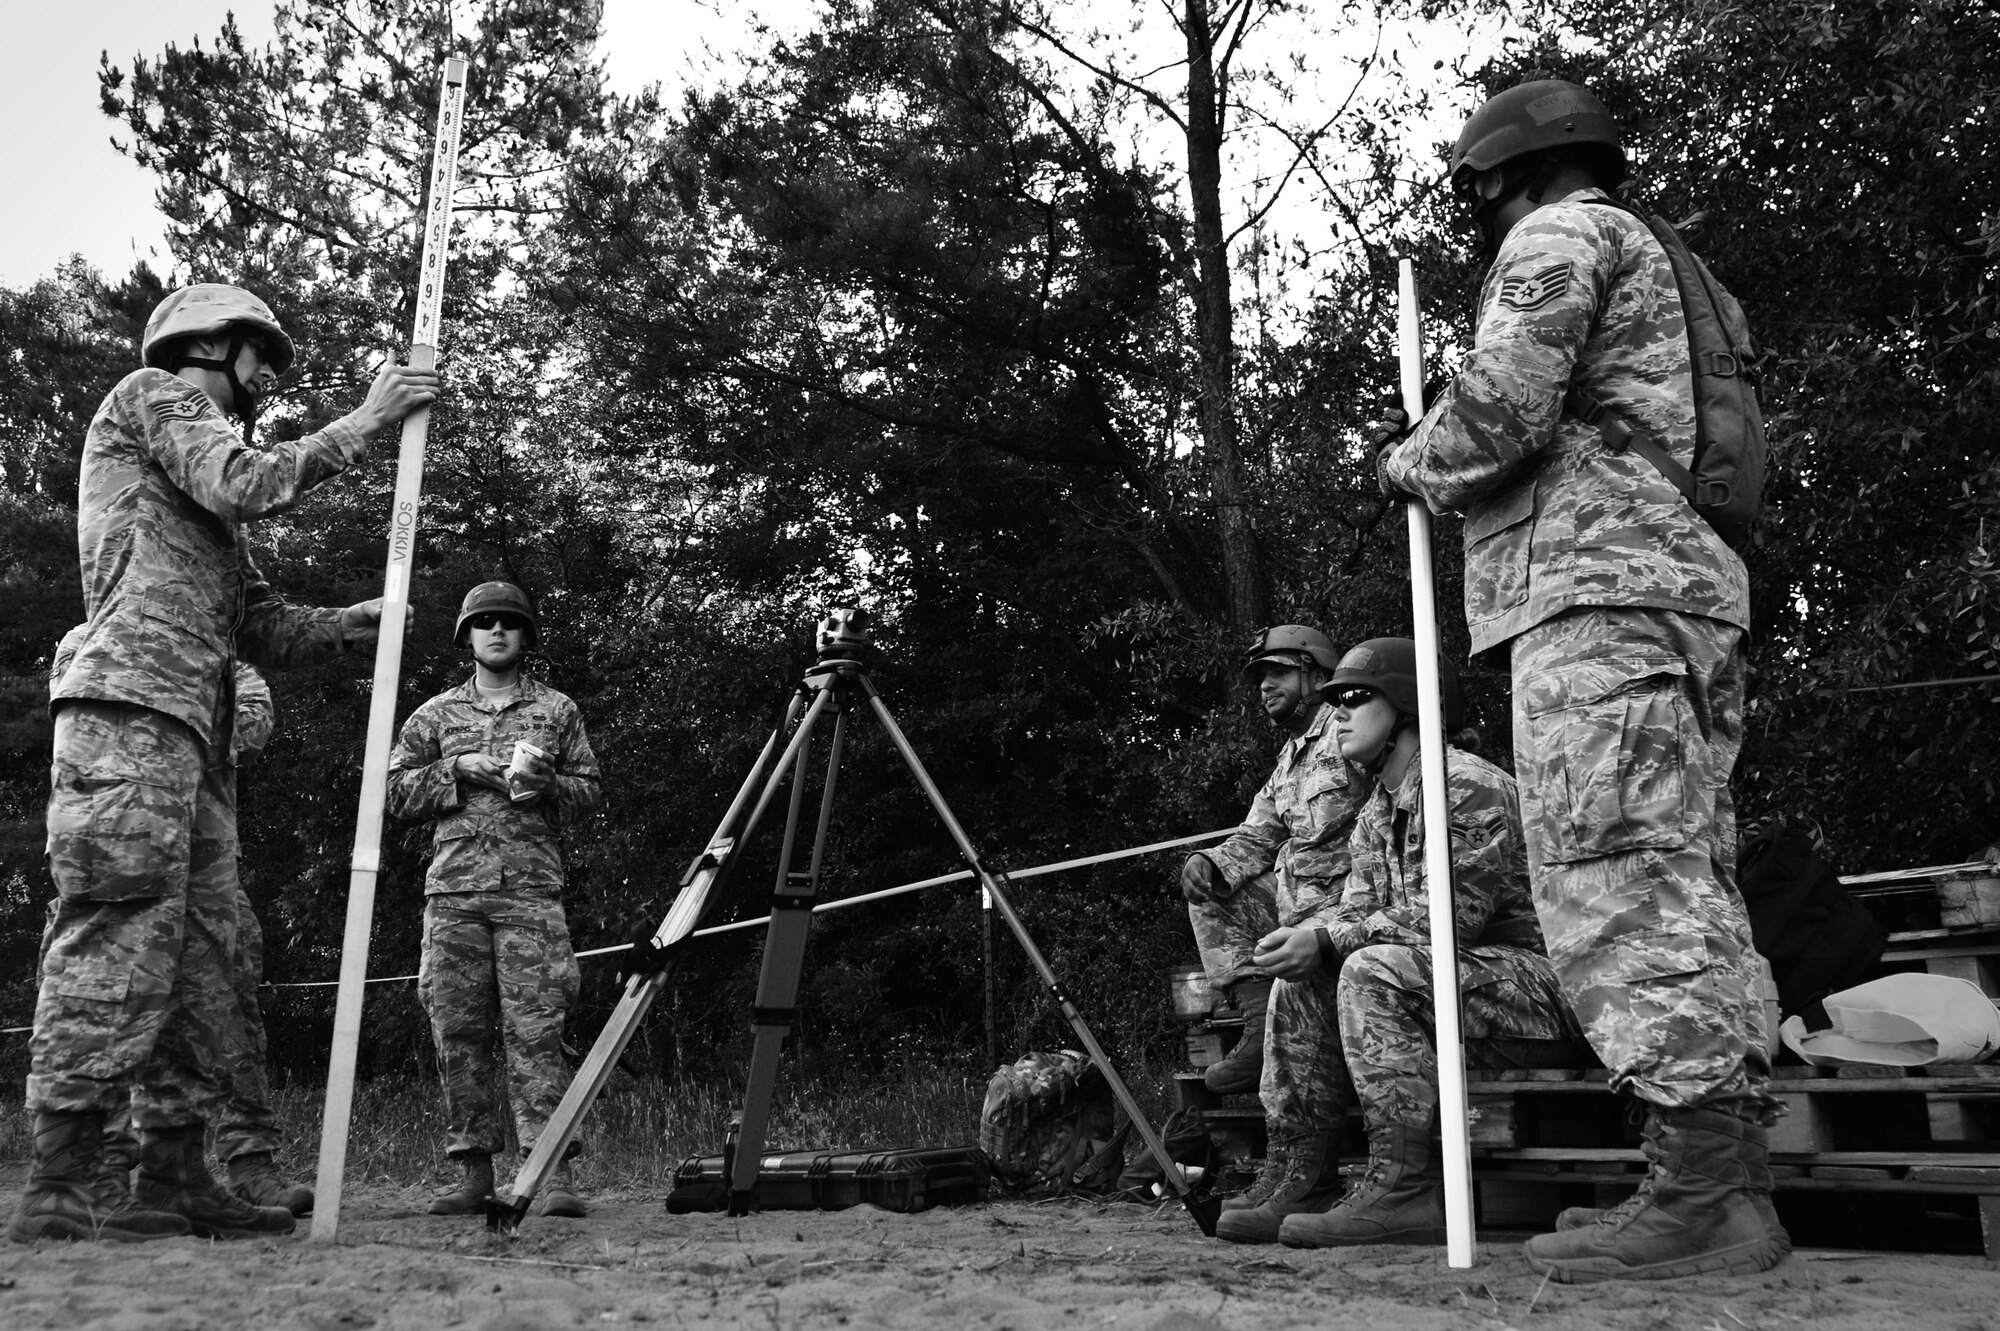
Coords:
1204,1210
778,977
709,869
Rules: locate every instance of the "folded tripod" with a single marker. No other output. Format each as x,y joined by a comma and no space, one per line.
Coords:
836,682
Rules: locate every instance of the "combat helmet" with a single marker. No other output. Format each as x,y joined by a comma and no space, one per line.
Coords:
1285,644
1389,666
500,597
204,310
1535,117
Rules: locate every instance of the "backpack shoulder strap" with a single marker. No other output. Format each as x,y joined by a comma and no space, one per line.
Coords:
1617,432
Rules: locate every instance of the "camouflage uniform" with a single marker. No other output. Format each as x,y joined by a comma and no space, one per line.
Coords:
136,983
1381,932
1624,616
496,951
244,1121
1287,860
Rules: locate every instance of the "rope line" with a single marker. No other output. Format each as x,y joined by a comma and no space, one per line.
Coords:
962,875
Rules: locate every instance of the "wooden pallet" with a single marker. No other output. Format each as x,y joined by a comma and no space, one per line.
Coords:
1548,1137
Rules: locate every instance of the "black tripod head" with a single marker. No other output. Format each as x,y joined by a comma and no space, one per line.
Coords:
842,633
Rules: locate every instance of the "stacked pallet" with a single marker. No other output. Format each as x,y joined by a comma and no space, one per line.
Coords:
1905,1146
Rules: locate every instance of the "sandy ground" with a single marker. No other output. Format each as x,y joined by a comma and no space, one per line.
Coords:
1006,1264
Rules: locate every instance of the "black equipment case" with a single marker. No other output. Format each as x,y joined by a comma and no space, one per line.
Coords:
830,1180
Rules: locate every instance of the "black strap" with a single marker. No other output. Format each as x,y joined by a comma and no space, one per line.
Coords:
1619,435
1815,1017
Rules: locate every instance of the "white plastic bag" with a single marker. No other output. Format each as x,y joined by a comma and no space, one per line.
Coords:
1901,1021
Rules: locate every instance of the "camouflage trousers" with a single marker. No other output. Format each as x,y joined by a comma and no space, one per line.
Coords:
1305,1088
1511,1013
1627,724
1228,924
497,970
242,1122
135,976
1367,1035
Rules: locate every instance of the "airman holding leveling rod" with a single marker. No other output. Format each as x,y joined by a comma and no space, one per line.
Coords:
142,813
502,763
1622,614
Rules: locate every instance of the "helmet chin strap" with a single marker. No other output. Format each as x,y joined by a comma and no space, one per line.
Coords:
1515,178
242,399
1375,765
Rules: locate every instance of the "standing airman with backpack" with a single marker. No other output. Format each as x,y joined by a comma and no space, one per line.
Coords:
1622,614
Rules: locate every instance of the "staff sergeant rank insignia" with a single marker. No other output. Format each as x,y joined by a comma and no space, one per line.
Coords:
189,408
1536,289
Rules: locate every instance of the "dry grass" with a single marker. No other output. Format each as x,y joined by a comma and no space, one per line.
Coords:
636,1133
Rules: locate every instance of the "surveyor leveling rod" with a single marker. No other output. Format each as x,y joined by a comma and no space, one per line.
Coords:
367,858
1452,1122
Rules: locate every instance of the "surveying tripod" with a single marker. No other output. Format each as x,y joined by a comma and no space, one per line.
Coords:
837,682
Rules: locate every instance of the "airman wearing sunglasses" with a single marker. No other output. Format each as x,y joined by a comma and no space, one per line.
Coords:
1375,945
1622,615
142,808
1283,865
503,764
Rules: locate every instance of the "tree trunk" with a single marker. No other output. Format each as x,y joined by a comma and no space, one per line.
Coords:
1244,585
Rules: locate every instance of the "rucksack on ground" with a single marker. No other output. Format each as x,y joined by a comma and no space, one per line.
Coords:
1047,1124
1817,938
1725,484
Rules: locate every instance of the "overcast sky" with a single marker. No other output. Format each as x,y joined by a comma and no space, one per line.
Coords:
70,192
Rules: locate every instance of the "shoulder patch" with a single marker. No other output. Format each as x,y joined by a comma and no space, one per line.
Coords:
1536,289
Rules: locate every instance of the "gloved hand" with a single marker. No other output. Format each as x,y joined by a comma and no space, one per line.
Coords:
642,958
1390,427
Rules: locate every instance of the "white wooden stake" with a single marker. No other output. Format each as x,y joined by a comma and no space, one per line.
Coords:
367,858
1454,1123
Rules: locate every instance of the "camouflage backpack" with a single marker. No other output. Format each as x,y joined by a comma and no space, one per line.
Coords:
1046,1124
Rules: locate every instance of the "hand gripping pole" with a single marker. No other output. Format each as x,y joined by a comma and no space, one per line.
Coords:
1453,1123
367,858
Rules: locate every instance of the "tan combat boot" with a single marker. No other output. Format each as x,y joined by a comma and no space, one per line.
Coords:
73,1194
474,1190
1399,1200
1310,1184
1277,1160
560,1197
1239,1070
1756,1158
1699,1211
173,1176
255,1178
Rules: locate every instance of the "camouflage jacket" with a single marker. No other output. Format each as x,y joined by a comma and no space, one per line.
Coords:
256,718
169,588
1386,900
1581,295
483,839
1298,825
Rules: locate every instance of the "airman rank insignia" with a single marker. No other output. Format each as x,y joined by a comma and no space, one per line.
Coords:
190,408
1536,289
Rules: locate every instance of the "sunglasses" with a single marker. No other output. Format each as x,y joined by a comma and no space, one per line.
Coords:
496,620
1353,696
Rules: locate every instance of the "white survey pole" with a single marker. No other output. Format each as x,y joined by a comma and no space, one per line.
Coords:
1454,1124
367,857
